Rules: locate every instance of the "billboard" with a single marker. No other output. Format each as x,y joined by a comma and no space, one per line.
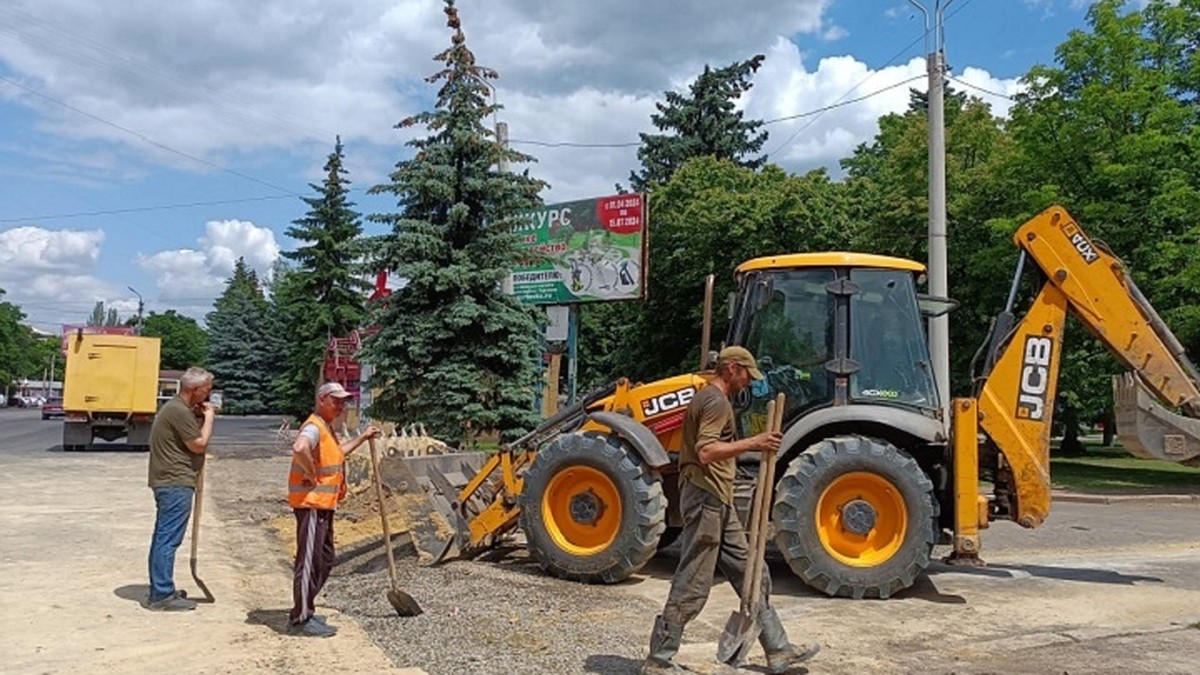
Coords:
589,250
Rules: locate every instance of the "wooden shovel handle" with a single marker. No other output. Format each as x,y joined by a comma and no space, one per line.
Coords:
766,475
754,558
387,532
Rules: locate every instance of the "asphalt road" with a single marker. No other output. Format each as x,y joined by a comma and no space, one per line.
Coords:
1097,589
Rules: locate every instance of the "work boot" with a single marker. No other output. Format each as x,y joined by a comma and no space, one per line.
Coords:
175,602
664,644
782,655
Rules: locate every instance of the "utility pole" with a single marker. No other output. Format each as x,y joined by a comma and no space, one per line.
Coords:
141,305
935,66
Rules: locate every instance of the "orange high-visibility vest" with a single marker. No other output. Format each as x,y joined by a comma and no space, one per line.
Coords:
330,487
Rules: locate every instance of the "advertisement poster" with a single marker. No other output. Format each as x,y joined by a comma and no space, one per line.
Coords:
586,251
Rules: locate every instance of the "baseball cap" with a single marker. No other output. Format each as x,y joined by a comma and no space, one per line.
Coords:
333,389
741,356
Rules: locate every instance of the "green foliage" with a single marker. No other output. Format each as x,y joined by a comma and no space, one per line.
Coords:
711,216
184,342
888,193
453,351
705,123
322,295
102,317
1110,131
237,353
14,340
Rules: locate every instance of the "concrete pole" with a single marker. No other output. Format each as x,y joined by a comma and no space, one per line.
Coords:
506,286
935,67
939,327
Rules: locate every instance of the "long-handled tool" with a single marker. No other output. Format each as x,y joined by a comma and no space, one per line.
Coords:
742,628
196,508
403,603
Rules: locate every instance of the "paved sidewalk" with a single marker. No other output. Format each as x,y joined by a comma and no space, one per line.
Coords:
73,547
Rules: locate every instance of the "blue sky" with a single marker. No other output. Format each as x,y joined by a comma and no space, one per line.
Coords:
223,111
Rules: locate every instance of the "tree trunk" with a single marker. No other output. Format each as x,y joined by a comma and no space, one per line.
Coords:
1071,446
1110,428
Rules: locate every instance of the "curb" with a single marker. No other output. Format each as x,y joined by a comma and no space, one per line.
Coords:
1083,498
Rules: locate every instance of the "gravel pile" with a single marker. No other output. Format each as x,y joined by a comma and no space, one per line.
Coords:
480,616
498,617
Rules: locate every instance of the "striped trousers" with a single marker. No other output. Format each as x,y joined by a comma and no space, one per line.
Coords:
314,560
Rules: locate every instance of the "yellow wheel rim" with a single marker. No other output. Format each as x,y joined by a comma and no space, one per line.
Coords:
844,521
581,509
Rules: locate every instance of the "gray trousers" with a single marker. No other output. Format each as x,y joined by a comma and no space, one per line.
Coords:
712,537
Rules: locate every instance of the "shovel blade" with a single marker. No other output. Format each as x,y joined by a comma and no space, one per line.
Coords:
403,603
741,631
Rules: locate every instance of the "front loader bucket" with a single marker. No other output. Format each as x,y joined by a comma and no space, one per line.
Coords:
1149,430
425,490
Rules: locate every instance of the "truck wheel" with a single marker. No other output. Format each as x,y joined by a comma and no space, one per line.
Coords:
855,517
591,510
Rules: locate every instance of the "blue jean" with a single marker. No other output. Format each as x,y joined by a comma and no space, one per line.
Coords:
174,508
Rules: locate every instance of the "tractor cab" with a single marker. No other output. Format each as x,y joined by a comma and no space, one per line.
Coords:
832,329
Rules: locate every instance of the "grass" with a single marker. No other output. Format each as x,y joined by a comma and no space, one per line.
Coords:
1112,470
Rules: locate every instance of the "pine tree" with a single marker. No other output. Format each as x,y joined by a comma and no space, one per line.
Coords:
324,294
704,123
237,353
453,351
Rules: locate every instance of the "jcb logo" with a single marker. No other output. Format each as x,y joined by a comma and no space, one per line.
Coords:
668,401
1035,378
1081,243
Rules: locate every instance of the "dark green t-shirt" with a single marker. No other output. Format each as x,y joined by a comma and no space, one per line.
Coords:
709,418
171,463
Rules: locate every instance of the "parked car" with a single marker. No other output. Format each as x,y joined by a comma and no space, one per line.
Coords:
52,408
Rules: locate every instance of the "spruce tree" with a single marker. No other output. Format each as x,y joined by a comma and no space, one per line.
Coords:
453,351
705,122
324,294
237,353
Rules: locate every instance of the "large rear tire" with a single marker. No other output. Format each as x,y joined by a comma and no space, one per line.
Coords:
591,509
855,517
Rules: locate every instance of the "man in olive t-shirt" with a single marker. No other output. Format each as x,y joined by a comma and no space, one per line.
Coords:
178,440
712,534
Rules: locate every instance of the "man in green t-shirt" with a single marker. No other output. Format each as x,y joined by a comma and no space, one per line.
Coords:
178,440
712,534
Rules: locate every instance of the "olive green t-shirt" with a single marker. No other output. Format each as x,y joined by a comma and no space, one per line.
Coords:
709,418
171,463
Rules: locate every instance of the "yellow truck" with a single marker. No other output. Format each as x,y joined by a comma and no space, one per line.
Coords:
110,390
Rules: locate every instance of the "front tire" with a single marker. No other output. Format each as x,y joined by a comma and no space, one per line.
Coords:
855,517
591,509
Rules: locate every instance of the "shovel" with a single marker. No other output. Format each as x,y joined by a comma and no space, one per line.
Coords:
742,629
199,501
403,603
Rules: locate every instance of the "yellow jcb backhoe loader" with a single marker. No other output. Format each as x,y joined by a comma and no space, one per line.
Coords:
871,475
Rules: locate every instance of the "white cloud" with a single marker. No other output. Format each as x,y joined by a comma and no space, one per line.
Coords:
268,84
49,273
190,279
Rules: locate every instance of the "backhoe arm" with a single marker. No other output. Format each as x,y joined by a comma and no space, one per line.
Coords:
1015,403
1106,300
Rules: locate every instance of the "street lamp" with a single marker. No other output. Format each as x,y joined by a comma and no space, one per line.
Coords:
140,306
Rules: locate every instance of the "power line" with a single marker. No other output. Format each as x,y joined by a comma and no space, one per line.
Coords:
978,88
839,104
143,137
140,209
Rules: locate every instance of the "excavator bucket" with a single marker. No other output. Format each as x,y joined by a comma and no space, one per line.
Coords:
1148,429
425,489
